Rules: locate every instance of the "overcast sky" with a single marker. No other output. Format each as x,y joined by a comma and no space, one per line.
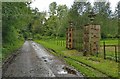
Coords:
43,5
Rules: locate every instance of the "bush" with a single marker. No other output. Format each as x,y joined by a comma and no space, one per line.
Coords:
9,48
37,36
103,35
109,36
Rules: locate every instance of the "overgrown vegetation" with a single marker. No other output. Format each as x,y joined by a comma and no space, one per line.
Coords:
15,18
20,22
98,65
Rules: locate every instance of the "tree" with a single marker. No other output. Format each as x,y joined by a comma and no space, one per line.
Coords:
105,18
57,21
52,8
16,16
62,12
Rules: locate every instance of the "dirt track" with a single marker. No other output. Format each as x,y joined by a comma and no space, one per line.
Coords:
35,61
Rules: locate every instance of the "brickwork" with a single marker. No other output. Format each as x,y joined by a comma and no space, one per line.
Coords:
91,39
86,39
69,38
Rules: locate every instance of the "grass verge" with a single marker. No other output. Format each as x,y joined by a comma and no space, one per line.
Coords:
8,49
109,41
110,68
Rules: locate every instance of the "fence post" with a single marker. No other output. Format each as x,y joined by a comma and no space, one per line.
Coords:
61,42
57,42
104,50
115,53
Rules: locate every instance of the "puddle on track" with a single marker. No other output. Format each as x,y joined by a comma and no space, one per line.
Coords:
50,60
63,72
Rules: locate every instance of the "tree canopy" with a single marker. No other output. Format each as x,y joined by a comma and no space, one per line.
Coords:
20,21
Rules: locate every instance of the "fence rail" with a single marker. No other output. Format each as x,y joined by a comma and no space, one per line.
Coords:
106,51
108,45
110,51
61,43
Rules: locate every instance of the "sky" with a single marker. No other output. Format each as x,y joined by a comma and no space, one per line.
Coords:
43,5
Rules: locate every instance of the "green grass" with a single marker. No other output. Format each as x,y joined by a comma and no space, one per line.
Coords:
110,68
52,44
109,41
105,66
8,49
110,51
86,71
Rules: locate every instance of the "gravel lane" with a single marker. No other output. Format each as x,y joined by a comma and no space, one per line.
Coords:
35,61
27,64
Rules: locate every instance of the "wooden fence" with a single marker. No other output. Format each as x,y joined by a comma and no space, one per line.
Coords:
109,51
106,51
61,43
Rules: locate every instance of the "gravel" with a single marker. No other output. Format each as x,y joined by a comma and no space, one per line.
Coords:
35,61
